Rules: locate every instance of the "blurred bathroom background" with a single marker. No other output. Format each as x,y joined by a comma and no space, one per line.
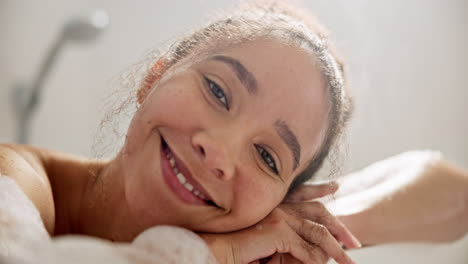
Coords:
407,61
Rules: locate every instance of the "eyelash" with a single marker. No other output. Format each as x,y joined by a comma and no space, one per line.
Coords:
217,92
267,158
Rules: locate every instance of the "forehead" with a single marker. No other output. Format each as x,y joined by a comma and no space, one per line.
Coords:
290,88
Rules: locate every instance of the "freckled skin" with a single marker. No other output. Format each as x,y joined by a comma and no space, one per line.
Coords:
183,110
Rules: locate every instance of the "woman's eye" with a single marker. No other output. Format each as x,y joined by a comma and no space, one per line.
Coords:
267,158
217,92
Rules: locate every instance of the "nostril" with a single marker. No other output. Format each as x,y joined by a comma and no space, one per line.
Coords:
201,150
219,173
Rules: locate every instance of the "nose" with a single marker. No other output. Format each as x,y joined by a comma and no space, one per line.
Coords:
215,154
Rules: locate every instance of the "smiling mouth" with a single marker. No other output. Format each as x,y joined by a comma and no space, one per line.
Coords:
180,180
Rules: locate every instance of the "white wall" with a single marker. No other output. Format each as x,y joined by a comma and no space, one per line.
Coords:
407,59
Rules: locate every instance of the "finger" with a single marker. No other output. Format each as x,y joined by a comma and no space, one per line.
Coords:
304,252
288,241
319,235
317,212
320,257
308,192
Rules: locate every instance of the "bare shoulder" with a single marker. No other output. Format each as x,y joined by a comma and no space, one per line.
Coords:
26,166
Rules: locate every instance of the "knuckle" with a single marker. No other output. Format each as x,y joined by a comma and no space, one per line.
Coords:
326,218
275,220
287,208
320,206
320,233
322,214
274,215
275,223
306,225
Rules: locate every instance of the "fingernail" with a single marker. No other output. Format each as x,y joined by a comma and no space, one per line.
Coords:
356,242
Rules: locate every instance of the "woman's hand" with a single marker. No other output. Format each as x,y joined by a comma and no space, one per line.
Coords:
300,205
280,236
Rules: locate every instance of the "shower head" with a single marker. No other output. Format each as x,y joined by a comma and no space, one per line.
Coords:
26,98
87,28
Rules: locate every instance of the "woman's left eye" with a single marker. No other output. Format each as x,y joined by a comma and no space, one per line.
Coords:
217,92
267,158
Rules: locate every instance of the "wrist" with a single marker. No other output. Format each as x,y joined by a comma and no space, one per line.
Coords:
363,229
459,177
220,247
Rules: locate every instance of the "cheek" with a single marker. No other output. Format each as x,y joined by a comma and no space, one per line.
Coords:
174,105
255,200
176,102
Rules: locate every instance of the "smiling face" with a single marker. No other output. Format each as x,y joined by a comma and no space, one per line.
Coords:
215,146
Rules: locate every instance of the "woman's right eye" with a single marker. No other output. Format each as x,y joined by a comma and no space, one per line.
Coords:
217,92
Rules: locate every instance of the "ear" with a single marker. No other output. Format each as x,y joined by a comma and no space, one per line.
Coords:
153,76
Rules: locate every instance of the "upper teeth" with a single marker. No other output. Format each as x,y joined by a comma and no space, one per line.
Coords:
182,178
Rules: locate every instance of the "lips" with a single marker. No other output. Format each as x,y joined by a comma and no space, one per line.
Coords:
179,179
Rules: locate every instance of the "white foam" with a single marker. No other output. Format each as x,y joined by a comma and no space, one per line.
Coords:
24,240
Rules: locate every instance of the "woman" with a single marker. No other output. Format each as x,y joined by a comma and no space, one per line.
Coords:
230,119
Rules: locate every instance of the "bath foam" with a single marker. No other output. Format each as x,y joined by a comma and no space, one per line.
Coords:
24,240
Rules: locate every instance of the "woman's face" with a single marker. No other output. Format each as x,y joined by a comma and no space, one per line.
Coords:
215,146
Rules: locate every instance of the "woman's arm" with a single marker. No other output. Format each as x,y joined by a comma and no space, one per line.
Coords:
412,197
25,167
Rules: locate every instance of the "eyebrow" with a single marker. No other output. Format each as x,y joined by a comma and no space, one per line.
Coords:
290,139
245,76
